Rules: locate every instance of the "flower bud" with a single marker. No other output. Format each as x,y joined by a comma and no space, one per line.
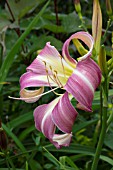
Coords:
108,7
78,7
102,61
97,25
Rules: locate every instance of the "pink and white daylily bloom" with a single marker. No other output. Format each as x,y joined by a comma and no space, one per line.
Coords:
79,79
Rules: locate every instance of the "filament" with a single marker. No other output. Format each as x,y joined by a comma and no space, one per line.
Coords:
56,77
62,66
48,76
40,95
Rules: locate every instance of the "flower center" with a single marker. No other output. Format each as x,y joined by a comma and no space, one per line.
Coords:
53,75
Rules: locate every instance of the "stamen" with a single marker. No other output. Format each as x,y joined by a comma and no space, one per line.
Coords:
40,95
52,88
62,66
44,63
54,76
48,76
48,73
57,79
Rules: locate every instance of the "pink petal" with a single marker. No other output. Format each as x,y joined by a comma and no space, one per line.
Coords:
80,90
51,57
31,96
43,120
64,114
89,68
50,51
54,61
62,140
86,38
37,67
40,69
31,79
83,82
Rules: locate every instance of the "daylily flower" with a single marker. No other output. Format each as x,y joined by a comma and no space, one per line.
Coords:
79,79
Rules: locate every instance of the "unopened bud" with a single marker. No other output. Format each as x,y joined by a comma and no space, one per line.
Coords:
102,61
108,7
97,25
76,2
78,7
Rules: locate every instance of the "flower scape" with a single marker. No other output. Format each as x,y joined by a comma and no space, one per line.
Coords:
79,79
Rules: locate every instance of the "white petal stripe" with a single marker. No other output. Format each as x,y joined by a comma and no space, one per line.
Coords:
84,79
49,111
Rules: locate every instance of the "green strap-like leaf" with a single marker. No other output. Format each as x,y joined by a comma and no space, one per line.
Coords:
12,135
20,120
79,149
9,58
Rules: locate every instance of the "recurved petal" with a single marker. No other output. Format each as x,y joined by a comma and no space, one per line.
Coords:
86,38
45,122
60,140
31,79
81,90
43,119
91,71
64,114
31,96
83,82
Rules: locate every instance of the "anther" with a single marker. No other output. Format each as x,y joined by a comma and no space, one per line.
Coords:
44,62
60,56
46,71
50,67
62,66
57,79
53,77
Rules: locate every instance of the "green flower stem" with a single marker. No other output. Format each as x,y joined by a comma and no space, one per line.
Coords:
104,36
78,10
101,140
104,127
110,119
97,129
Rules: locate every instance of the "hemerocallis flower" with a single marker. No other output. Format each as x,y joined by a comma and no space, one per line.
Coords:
79,79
